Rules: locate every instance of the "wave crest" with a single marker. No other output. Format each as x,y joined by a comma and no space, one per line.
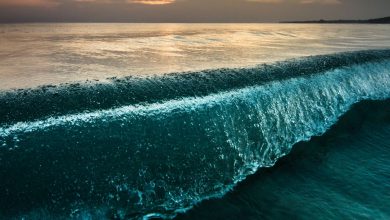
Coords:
159,156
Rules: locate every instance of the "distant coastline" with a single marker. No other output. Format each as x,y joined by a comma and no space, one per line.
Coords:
385,20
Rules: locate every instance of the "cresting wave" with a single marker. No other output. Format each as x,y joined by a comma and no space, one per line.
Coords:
341,174
142,146
30,104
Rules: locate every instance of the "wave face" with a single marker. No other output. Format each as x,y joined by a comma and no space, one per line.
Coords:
342,174
141,146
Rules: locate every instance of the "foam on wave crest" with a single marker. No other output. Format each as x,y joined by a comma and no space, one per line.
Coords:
137,159
29,104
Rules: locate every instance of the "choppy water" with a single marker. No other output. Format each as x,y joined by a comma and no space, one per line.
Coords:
139,146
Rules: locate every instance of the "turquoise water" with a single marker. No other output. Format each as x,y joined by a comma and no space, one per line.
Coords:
147,147
343,174
194,121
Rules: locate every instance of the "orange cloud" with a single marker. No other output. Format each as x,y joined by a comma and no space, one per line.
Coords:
151,2
29,3
94,1
145,2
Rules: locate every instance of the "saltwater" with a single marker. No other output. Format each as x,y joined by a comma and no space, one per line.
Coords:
194,121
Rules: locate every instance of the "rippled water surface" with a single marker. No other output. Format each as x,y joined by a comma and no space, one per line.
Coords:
36,54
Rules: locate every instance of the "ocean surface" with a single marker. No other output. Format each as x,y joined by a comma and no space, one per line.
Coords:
194,121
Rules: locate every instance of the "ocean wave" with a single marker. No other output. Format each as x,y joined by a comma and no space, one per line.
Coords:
138,146
337,175
29,104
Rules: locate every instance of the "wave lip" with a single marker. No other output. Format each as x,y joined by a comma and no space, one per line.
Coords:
160,156
44,101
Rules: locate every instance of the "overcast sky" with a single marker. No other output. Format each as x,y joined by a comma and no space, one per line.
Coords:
188,10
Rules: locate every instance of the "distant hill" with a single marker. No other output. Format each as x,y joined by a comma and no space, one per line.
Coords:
385,20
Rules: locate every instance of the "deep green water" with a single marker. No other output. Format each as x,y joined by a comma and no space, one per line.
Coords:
343,174
157,146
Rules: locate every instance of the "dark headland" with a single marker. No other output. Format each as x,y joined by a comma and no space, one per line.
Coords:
385,20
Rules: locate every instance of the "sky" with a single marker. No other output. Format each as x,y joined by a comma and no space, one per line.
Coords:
188,10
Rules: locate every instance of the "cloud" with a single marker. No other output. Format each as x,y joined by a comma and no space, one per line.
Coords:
151,2
29,3
96,1
266,1
54,3
325,2
145,2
